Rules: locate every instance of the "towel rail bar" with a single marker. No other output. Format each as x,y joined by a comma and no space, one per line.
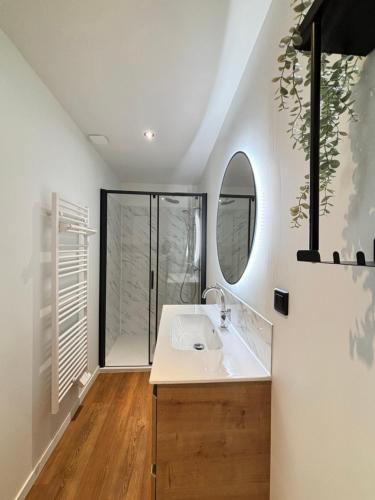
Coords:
70,261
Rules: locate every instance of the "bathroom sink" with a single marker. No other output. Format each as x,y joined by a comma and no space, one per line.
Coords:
194,332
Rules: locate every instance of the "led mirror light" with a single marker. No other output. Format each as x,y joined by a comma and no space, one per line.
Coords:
236,217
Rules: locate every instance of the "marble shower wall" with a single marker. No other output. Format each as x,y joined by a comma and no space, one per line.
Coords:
135,263
254,329
179,279
113,272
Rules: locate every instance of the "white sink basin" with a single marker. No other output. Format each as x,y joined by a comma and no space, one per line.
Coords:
194,332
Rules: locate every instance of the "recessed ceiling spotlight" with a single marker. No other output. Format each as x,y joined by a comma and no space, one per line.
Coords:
149,135
98,139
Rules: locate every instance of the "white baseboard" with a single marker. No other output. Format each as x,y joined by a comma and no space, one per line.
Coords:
53,443
121,369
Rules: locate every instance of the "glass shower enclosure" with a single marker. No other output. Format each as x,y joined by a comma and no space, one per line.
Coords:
153,252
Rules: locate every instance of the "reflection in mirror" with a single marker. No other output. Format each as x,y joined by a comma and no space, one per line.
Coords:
236,217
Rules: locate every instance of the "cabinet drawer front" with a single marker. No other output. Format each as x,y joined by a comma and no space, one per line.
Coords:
154,422
153,488
213,441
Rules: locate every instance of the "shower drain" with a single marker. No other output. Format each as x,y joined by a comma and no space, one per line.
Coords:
198,347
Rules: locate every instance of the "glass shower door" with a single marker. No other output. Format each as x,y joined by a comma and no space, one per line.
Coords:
179,251
153,273
153,257
128,280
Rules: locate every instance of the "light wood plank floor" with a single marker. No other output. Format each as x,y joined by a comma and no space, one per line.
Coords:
105,452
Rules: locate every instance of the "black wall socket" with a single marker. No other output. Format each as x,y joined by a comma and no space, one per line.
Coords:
281,301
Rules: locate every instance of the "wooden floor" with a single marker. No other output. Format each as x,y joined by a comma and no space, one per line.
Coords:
106,451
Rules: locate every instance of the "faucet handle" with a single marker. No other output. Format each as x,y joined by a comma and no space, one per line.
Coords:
229,313
225,316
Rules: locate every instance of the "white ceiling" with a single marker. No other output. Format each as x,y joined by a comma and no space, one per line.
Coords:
120,67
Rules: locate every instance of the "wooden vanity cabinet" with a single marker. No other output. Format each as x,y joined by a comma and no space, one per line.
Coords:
211,441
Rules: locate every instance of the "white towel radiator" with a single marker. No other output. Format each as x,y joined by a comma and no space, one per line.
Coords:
70,258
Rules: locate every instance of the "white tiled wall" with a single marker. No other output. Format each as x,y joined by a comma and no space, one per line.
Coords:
254,329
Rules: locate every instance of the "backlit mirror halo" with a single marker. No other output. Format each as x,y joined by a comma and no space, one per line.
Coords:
236,217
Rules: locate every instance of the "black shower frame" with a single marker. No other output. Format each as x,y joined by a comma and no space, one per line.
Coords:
103,258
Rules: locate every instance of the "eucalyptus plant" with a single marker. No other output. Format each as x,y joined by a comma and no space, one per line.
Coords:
339,74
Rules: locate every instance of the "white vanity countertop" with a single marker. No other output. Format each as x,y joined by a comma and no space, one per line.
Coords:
233,363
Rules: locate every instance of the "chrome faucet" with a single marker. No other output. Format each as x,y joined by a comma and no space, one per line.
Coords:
224,312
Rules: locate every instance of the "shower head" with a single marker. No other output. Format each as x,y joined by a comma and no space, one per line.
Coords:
171,200
228,202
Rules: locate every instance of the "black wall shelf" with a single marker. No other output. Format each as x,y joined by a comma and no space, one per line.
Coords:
314,256
340,27
347,26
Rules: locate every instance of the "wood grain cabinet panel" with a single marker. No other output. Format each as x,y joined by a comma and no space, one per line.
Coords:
213,441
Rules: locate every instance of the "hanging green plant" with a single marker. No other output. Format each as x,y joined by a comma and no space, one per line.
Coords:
339,74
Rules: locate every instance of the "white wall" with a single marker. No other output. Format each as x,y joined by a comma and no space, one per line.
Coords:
167,188
323,405
41,150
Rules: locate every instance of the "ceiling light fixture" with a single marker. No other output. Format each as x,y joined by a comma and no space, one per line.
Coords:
149,134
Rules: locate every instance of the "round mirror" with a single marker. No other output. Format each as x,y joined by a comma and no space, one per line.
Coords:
236,217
